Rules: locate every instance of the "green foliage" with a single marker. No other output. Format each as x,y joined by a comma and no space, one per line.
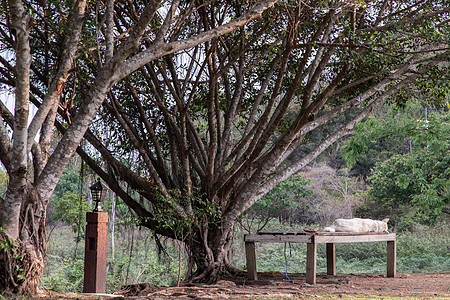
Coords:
69,181
66,274
419,179
395,130
386,133
7,245
370,133
435,87
71,210
136,260
3,183
280,201
408,152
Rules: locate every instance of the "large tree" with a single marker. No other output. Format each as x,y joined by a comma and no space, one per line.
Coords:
201,135
62,58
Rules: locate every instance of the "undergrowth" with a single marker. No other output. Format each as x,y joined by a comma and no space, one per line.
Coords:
136,260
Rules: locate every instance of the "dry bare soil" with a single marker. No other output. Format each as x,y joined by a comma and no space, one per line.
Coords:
275,285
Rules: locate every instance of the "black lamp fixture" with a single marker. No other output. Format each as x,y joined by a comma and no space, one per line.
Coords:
96,192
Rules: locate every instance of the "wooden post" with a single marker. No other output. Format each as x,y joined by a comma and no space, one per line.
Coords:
95,252
250,255
391,258
311,254
331,259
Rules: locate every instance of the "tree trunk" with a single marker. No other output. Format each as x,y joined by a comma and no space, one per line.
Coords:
22,260
211,250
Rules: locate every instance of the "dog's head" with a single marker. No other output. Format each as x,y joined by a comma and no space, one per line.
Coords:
383,225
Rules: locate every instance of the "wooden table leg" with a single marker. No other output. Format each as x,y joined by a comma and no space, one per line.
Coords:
331,259
391,258
250,255
311,254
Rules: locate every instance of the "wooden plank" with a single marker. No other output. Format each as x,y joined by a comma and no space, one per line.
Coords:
322,233
331,259
250,255
311,257
391,259
354,238
286,233
272,238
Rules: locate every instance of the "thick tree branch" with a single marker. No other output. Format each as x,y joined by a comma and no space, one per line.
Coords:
109,53
20,23
72,37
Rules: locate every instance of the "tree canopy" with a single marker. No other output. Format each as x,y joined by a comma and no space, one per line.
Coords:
203,134
203,107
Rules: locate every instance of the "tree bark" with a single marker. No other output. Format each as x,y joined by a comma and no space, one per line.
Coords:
211,249
22,262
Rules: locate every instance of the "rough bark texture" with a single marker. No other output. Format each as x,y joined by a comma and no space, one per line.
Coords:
212,259
22,260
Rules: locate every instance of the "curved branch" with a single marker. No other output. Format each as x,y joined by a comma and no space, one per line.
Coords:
72,37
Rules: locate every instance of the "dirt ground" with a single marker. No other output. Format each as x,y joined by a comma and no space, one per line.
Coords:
275,285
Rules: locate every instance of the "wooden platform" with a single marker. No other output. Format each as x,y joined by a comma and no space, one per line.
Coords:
314,238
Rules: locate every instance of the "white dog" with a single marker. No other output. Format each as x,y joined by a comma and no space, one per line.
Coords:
358,225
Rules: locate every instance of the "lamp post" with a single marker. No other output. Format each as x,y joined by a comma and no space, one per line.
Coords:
95,245
96,192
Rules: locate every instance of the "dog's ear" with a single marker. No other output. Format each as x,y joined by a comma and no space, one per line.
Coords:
385,220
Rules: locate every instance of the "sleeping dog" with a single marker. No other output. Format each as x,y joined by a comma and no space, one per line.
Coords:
357,225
